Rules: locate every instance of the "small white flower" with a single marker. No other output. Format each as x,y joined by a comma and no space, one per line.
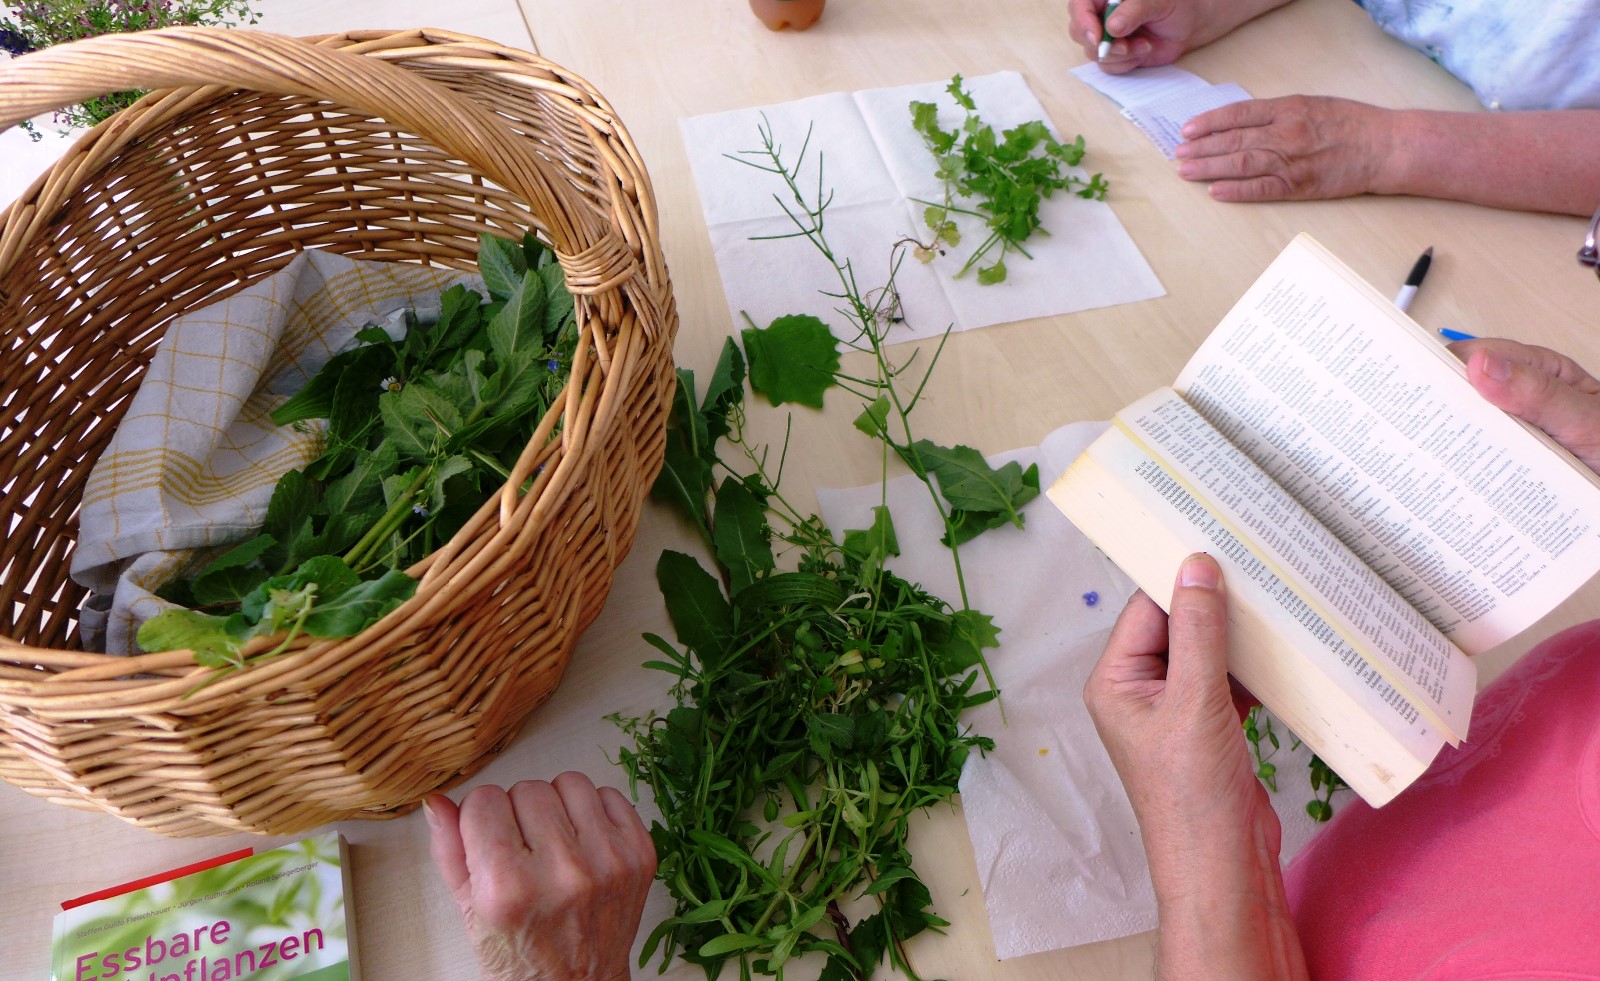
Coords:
391,384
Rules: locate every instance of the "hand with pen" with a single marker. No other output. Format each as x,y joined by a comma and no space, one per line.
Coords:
1155,32
1313,147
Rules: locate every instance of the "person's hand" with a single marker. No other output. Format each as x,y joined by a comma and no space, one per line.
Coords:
1538,385
1161,701
1295,148
1157,32
551,877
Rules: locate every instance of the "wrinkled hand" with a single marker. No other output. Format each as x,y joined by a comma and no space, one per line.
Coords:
1540,386
1161,701
550,877
1296,148
1157,32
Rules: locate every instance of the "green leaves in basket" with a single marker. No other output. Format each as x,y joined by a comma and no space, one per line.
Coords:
419,430
323,597
210,638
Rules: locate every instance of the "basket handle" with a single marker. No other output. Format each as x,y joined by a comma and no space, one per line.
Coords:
592,254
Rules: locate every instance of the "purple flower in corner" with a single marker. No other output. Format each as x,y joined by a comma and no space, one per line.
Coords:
13,42
553,365
1091,598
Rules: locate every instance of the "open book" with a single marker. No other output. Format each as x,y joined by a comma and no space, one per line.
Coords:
1375,519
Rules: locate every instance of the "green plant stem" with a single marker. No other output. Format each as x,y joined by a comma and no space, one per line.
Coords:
866,319
361,552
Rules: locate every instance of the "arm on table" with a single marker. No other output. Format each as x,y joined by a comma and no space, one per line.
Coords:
1161,702
1157,32
1310,147
551,877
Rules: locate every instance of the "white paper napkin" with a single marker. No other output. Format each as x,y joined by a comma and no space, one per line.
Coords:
1057,847
866,154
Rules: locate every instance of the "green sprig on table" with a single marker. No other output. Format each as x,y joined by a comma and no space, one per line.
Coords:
1005,176
420,430
1324,782
817,694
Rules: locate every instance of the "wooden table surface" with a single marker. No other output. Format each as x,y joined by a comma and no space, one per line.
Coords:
996,389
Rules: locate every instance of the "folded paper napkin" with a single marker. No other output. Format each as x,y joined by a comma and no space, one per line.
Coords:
194,462
1056,844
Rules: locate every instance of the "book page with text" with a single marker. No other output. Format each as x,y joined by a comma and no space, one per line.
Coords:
1136,509
1377,630
1482,526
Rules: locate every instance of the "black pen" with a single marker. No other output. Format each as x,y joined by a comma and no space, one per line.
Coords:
1402,299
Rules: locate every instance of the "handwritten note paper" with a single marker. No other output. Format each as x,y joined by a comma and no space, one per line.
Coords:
1160,100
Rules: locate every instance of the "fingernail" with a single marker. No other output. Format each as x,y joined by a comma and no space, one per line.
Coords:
1187,170
1496,367
1094,38
427,810
1188,131
1198,570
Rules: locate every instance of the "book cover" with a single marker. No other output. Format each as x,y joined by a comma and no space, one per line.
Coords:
271,915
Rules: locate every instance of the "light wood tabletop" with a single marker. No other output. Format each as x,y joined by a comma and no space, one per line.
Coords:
998,388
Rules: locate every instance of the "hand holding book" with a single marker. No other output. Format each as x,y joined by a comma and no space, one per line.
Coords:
1161,702
1540,386
1159,698
1376,520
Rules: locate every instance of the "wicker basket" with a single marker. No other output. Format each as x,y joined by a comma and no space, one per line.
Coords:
400,146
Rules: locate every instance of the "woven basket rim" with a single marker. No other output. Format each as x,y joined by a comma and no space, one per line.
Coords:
615,271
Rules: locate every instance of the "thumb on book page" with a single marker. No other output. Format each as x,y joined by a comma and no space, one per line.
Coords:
1197,626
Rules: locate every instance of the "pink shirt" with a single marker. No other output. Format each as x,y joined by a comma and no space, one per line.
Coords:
1489,865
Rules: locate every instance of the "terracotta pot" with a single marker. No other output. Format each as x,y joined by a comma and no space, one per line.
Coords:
778,14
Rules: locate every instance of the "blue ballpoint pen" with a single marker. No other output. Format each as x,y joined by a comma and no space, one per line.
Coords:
1456,335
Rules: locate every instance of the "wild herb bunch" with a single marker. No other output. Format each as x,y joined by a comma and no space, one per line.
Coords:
817,710
31,25
817,694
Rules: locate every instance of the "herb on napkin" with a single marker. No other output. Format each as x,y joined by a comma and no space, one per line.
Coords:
1324,782
1005,176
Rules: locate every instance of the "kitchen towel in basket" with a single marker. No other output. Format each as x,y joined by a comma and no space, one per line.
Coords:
194,462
